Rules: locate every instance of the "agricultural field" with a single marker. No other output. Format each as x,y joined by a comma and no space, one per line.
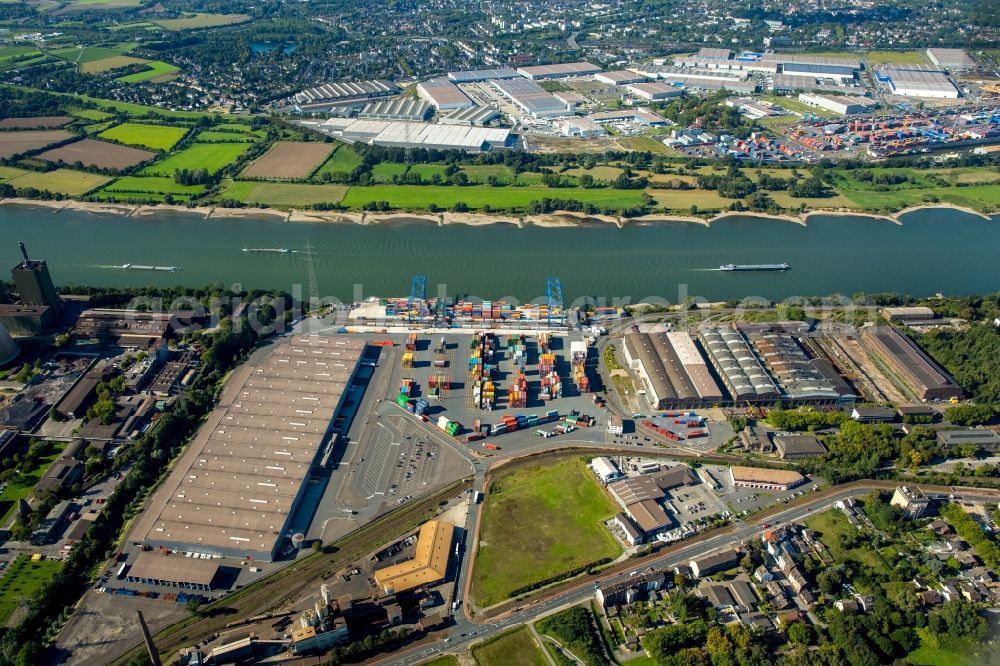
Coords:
421,197
22,580
213,157
292,160
283,195
157,72
540,522
84,54
427,171
61,181
896,58
101,154
14,143
385,171
682,200
479,173
108,64
92,114
9,173
212,136
152,184
516,646
343,160
38,122
606,174
156,137
199,20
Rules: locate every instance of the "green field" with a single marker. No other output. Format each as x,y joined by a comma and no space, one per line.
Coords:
157,137
444,660
108,64
384,172
197,21
420,197
833,522
212,157
981,197
540,521
210,136
682,200
157,72
479,173
513,647
427,171
61,181
91,53
896,57
343,160
283,195
21,582
9,173
91,114
601,173
152,184
20,486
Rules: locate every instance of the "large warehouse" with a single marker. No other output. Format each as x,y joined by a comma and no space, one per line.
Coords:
809,65
429,564
671,368
654,90
531,98
342,93
917,82
923,377
842,104
954,60
560,70
237,486
738,366
418,135
794,371
443,94
477,75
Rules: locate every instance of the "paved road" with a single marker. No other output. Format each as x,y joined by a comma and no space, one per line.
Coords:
467,631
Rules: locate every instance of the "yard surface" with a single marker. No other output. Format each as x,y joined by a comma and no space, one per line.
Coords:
514,647
21,582
212,157
157,137
90,152
419,197
539,522
289,159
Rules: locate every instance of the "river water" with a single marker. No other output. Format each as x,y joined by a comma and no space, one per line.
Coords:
938,250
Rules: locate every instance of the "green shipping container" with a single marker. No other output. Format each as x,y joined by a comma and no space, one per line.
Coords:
401,400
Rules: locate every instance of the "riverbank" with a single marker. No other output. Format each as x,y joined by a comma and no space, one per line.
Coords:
555,219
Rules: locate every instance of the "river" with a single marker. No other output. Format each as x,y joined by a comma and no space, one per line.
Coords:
939,250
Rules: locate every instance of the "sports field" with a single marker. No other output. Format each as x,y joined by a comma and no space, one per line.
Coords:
91,152
22,580
283,195
60,181
14,143
289,160
198,21
516,646
157,72
421,197
540,522
212,157
157,137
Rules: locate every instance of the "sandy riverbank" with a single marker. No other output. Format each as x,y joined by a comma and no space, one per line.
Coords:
555,219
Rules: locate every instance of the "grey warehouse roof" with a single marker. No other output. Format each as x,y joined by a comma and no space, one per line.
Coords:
737,362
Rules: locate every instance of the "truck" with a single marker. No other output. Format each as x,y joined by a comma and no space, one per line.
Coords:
477,497
490,446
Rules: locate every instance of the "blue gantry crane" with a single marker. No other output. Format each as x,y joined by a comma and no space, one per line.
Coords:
418,293
553,297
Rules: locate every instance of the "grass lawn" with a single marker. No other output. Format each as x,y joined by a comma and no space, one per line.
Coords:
786,200
538,522
383,172
931,654
896,57
153,184
212,157
343,160
157,137
64,181
283,195
91,114
478,173
832,522
157,72
513,647
90,53
427,171
976,196
645,143
602,173
210,136
477,196
22,581
20,487
9,173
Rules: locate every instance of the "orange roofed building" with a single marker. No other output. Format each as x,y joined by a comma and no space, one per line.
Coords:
429,564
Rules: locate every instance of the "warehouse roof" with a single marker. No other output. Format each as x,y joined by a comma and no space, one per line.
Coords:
472,76
950,57
906,352
428,135
619,77
919,79
804,82
561,69
653,88
761,475
636,489
443,93
648,515
234,487
799,445
471,116
345,90
530,96
790,367
403,108
429,563
979,436
174,568
640,346
713,54
805,59
737,362
694,364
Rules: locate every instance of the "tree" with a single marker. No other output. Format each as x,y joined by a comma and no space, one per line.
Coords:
194,607
800,633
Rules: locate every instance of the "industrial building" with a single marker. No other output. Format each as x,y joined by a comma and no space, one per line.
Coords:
471,116
404,108
710,564
9,349
21,319
809,65
797,447
173,570
639,116
342,93
531,98
444,95
654,91
738,367
570,98
479,75
236,488
126,328
671,369
842,104
982,438
767,479
702,79
955,61
918,82
636,489
605,470
584,128
912,313
708,57
619,77
795,82
429,564
794,372
418,135
33,283
566,69
923,377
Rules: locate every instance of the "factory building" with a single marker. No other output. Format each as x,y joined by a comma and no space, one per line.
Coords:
342,93
238,485
842,104
797,447
955,61
530,98
713,58
418,135
672,370
808,65
570,98
443,94
414,110
795,82
911,313
33,283
619,77
793,370
702,79
605,470
923,377
479,75
536,72
654,91
472,116
429,564
633,115
173,570
584,128
766,479
918,82
982,438
740,369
